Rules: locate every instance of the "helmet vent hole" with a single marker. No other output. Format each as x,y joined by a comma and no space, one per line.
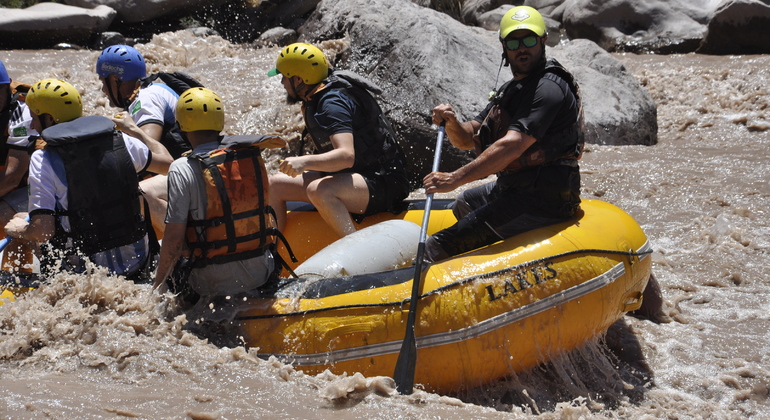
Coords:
205,108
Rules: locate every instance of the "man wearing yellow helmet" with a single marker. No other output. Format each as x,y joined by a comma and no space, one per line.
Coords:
83,187
530,135
217,217
357,166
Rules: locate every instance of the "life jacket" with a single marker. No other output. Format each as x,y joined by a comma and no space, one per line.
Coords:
375,141
564,146
102,185
178,82
239,222
5,118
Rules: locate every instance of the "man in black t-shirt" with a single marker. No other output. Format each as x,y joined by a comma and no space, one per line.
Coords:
530,135
357,168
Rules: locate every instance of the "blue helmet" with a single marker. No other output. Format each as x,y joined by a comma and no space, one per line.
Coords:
121,60
4,77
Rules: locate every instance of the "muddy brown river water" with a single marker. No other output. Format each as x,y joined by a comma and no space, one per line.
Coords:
93,346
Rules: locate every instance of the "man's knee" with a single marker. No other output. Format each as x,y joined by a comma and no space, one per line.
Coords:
155,187
434,251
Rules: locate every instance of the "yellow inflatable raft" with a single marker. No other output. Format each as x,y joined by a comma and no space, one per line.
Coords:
481,315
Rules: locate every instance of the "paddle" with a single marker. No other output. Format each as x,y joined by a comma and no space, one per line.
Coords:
4,243
407,358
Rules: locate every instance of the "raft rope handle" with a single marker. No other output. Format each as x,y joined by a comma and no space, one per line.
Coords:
442,288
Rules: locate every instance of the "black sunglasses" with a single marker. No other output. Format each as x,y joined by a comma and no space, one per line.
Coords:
513,44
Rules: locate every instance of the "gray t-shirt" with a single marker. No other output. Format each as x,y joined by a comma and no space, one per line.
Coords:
187,196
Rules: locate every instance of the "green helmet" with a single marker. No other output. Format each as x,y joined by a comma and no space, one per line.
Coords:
57,98
303,60
200,109
522,17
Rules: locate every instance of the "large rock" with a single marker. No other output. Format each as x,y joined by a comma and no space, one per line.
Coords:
473,11
422,58
46,24
145,10
616,108
738,27
639,25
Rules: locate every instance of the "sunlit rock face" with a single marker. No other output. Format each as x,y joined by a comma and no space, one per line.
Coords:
738,27
144,10
46,24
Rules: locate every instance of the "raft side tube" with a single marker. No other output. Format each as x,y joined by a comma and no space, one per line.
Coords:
385,246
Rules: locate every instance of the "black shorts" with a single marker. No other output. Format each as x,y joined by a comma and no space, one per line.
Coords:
387,191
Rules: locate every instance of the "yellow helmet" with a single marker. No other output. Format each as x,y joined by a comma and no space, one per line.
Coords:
57,98
303,60
200,109
522,17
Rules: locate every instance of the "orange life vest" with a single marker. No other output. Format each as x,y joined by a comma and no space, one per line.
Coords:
239,222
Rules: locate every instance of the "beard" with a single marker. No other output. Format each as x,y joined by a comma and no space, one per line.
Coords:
527,61
291,100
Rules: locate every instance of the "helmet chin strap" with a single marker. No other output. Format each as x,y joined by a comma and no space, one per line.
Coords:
115,96
297,88
504,61
43,122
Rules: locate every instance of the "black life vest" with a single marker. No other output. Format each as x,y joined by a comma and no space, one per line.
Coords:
102,185
239,222
178,82
566,145
11,112
374,141
5,118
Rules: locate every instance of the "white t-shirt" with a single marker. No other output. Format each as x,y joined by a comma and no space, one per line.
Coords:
48,192
20,127
156,104
187,196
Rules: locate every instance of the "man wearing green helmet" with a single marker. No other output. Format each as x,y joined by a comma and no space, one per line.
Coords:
83,186
357,168
530,135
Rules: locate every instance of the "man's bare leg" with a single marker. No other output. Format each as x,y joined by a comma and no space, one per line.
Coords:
336,196
156,194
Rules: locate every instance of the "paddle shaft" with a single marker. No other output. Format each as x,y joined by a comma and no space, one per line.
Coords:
4,243
407,357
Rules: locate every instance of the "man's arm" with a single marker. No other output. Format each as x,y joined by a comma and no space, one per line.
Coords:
460,133
343,156
149,134
170,251
40,228
494,159
16,166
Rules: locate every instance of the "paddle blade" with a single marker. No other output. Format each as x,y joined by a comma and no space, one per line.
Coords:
407,357
405,365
